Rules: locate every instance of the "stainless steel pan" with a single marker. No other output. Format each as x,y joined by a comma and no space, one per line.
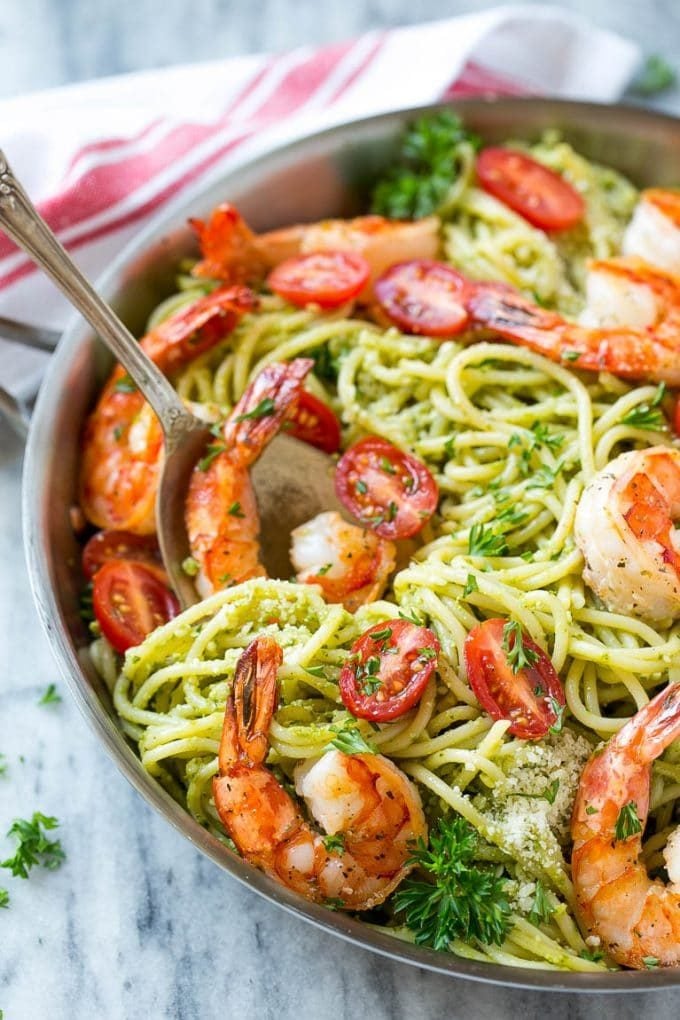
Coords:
318,176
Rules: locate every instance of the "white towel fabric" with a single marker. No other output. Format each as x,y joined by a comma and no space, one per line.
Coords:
101,158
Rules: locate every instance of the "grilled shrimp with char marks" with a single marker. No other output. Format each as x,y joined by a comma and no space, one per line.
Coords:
631,325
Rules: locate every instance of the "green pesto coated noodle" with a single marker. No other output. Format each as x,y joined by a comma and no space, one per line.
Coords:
512,440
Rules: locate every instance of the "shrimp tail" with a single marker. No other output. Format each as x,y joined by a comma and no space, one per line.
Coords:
658,725
263,408
228,246
197,328
250,705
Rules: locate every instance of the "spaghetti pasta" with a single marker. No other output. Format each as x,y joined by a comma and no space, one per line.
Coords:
512,440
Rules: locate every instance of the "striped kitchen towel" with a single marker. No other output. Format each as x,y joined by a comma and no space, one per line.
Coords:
101,158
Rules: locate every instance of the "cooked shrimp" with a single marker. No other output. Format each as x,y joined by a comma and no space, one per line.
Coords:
624,528
349,563
231,251
631,327
635,918
122,439
654,231
366,805
221,515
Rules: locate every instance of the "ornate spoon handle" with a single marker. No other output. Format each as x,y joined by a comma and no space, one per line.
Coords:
22,222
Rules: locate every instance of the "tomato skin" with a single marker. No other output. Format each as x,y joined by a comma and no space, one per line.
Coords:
129,602
424,297
401,676
121,545
325,278
507,695
313,422
400,493
676,416
529,188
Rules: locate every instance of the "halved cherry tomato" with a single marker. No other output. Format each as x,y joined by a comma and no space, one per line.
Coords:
325,278
424,297
388,670
129,602
531,698
314,423
386,489
535,192
120,545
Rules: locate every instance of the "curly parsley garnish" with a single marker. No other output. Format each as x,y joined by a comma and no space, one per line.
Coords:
33,846
432,154
458,899
656,76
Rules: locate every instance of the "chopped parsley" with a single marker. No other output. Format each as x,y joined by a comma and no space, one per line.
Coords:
570,355
470,585
542,909
518,654
459,899
335,844
387,466
627,824
349,740
558,711
51,695
382,635
317,671
235,510
33,846
546,476
650,962
484,541
4,898
212,450
361,486
656,76
125,385
648,415
264,409
324,569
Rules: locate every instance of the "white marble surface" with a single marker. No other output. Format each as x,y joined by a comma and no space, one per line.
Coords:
136,924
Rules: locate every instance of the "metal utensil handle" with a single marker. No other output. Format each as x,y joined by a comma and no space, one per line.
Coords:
21,221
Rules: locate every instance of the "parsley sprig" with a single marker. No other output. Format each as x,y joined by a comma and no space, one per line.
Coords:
458,899
656,76
33,846
431,156
519,655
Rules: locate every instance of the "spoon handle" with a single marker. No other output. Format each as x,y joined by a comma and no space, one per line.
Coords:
21,221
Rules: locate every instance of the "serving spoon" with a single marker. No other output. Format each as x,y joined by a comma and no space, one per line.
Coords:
293,481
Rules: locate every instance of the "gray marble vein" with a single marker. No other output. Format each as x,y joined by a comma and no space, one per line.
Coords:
136,925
